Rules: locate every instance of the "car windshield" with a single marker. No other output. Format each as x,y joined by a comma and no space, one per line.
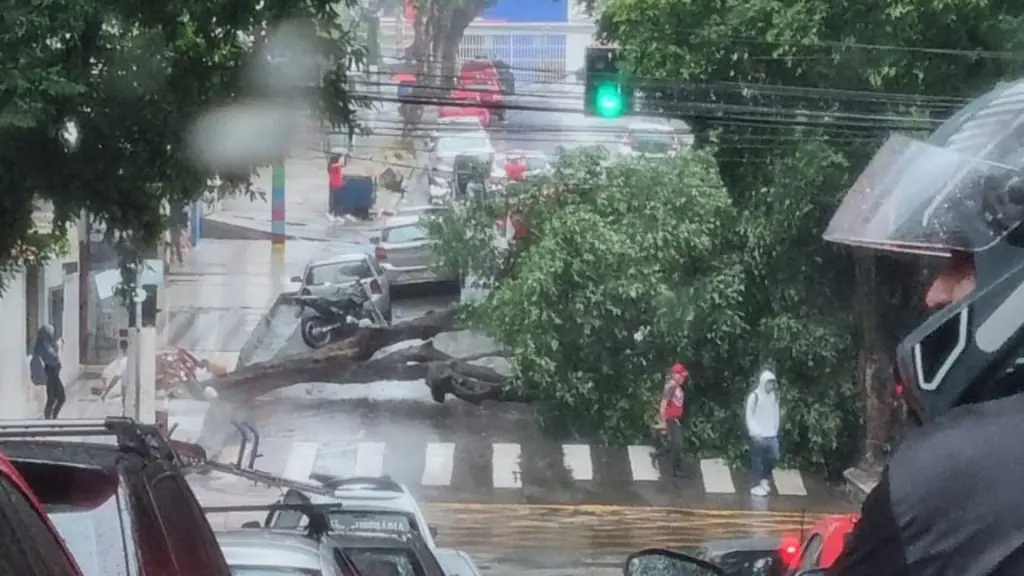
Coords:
83,505
385,562
452,145
273,571
405,234
338,273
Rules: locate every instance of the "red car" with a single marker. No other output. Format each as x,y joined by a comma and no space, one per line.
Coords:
466,103
482,78
31,544
824,542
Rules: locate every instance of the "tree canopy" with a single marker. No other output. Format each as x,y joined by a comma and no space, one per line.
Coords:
132,79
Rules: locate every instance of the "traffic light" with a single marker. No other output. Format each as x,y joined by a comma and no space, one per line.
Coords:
608,92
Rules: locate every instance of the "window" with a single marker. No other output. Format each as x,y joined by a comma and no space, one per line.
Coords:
33,288
57,310
339,272
812,552
413,233
389,561
272,571
188,534
27,545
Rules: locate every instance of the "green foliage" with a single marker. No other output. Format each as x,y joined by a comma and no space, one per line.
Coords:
788,68
133,77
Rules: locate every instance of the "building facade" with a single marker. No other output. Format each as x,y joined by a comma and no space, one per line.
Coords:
33,297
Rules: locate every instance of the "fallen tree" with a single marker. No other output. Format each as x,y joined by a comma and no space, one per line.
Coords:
355,360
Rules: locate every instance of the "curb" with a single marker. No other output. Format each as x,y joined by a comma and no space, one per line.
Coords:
859,483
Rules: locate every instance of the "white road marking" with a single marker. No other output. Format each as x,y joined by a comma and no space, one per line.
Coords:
301,458
370,459
440,463
717,477
577,461
789,482
505,466
640,464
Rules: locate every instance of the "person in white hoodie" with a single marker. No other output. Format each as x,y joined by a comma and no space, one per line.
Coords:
763,415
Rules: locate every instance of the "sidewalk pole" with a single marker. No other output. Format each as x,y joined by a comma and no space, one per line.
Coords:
196,217
129,386
147,375
277,204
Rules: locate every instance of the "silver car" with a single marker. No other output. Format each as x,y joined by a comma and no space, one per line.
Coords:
406,253
456,562
342,269
448,146
261,552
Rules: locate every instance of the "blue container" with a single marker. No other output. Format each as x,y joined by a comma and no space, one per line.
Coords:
356,196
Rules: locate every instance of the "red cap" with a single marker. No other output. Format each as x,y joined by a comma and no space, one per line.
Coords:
679,369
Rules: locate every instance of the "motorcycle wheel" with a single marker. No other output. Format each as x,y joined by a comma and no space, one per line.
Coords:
314,333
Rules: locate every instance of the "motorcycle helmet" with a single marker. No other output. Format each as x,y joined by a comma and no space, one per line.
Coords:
958,194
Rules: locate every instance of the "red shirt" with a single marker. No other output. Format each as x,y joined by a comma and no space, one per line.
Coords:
336,175
515,171
675,398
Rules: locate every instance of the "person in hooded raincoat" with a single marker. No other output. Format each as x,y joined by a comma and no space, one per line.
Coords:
763,416
46,355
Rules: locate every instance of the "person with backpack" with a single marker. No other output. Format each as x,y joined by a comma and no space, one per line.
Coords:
673,400
763,416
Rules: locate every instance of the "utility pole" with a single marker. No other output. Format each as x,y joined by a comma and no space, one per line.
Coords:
134,397
277,204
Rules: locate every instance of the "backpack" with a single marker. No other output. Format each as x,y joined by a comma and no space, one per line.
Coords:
37,371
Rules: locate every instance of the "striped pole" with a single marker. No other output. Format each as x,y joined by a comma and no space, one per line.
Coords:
277,230
196,223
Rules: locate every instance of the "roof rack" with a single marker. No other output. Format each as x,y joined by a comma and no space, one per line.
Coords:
267,479
146,440
332,482
319,524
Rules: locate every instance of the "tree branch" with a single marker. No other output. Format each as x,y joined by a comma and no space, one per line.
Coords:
351,362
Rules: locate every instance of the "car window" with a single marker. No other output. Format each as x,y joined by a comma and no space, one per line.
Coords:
385,562
192,543
338,273
480,87
405,234
812,552
272,571
27,546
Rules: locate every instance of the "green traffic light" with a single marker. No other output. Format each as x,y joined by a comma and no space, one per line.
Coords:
608,101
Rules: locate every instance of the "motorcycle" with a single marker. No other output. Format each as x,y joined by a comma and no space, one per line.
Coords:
337,316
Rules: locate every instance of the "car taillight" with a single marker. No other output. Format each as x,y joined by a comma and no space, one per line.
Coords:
375,287
789,551
380,253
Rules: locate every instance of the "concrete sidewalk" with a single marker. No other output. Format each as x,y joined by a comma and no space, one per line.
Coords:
306,200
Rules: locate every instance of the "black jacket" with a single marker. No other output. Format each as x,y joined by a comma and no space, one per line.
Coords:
951,501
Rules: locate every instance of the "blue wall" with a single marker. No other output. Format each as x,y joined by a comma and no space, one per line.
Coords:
528,11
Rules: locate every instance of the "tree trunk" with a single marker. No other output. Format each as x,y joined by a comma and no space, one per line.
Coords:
874,366
460,20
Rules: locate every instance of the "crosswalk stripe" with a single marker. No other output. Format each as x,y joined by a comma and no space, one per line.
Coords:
789,482
369,459
577,461
640,462
716,476
301,458
440,463
505,466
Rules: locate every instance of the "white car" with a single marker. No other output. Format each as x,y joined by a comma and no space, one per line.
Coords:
456,124
447,147
653,139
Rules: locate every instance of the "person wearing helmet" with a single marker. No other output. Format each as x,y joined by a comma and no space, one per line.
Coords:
950,500
673,398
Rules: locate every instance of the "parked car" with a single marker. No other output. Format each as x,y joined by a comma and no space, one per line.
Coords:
499,68
406,253
824,542
466,103
31,543
456,562
380,495
653,139
376,521
456,123
327,274
123,508
480,75
444,151
255,550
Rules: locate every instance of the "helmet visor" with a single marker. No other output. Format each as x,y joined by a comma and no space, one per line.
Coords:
921,198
